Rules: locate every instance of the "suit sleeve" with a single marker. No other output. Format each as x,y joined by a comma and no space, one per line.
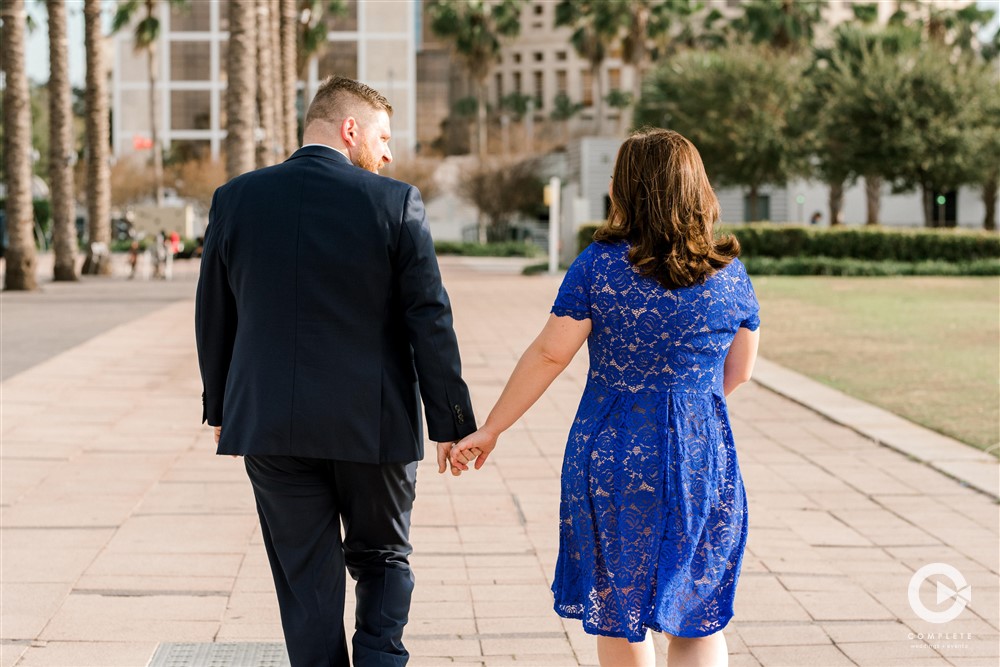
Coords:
214,320
428,318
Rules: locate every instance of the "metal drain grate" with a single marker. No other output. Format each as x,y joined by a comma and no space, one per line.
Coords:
249,654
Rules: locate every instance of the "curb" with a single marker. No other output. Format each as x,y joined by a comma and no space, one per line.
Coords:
964,463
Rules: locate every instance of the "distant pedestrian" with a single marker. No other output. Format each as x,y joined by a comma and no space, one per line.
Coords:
133,257
816,218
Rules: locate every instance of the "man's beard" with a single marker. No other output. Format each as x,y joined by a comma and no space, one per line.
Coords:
367,160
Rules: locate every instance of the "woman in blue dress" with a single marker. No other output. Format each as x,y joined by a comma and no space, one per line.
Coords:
653,517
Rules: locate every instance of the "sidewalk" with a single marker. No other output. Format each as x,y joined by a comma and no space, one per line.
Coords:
122,533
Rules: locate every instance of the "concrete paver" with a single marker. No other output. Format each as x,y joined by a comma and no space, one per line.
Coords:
121,530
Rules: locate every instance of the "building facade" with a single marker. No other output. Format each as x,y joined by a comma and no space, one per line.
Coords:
374,41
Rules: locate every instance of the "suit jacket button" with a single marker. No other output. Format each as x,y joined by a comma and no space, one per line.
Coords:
461,419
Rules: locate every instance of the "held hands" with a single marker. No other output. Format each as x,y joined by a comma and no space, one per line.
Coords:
477,446
446,451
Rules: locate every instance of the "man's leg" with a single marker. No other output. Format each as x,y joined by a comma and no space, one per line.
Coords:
375,502
300,521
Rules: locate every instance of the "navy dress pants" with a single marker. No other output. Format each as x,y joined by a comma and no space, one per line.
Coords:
301,503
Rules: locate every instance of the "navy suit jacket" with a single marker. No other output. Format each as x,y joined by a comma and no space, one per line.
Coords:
319,307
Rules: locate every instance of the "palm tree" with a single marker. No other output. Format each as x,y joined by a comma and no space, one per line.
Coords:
20,255
645,21
475,28
785,24
596,25
98,153
61,145
289,74
265,85
277,84
241,91
147,32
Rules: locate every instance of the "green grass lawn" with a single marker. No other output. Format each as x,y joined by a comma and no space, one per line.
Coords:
927,348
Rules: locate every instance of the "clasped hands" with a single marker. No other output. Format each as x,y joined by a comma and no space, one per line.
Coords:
475,447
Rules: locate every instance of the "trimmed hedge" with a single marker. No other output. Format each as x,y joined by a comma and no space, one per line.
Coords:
839,266
505,249
900,245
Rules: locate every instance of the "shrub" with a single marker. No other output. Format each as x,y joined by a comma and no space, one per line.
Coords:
502,249
874,245
838,266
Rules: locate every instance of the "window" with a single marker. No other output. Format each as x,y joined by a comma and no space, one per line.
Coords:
615,78
560,56
190,61
499,85
517,83
340,58
562,83
346,21
539,90
539,9
190,110
763,208
587,86
517,57
539,56
191,17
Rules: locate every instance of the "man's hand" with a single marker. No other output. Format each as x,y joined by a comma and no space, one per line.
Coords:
218,434
476,447
443,452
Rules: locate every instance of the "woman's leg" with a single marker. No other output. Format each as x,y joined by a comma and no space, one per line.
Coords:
618,652
710,651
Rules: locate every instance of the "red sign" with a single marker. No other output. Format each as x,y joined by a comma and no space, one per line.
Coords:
141,143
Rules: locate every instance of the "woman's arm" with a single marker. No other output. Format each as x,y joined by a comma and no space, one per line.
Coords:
546,357
740,360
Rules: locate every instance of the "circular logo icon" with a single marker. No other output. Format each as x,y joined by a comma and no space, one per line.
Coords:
959,592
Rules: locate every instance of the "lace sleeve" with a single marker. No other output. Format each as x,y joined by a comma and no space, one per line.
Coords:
573,299
749,305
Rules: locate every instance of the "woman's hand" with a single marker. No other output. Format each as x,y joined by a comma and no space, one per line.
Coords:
477,446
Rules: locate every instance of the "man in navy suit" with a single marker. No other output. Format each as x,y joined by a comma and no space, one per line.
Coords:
321,323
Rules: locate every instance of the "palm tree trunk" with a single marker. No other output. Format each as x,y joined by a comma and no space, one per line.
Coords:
990,190
60,145
241,92
289,76
265,85
481,120
598,99
927,194
836,202
97,122
20,256
277,84
154,112
873,198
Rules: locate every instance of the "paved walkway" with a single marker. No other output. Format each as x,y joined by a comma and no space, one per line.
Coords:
121,531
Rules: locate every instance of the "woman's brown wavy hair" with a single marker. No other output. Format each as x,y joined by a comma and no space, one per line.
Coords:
664,206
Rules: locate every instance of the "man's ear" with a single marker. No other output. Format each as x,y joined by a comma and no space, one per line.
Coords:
349,131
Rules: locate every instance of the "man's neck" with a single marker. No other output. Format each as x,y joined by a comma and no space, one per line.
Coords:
317,142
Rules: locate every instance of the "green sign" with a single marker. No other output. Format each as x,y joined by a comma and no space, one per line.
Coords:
940,200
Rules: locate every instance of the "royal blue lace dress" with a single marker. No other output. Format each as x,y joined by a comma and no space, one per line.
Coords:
653,516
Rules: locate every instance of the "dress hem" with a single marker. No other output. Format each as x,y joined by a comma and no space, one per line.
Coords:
625,635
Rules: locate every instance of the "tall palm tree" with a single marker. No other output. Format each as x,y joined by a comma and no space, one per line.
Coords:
596,25
289,74
147,33
97,123
61,145
277,82
474,29
241,91
265,85
20,256
645,22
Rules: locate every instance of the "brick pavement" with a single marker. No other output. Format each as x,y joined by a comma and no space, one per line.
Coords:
120,530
